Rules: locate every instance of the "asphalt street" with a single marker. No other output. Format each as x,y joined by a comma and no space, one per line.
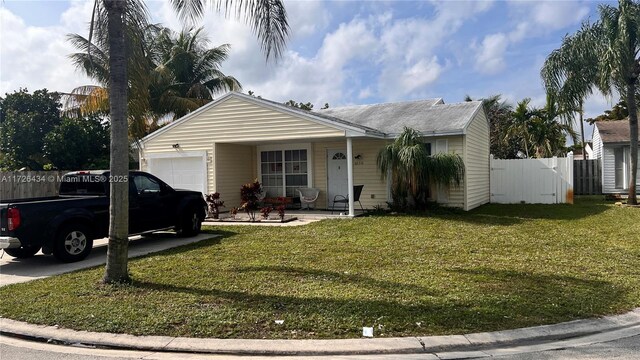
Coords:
15,349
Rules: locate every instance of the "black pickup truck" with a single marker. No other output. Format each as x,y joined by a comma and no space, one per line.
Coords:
66,225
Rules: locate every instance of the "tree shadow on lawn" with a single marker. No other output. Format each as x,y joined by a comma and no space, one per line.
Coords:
546,296
513,214
221,235
296,274
512,299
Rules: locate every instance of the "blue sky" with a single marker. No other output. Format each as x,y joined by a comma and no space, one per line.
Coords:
340,52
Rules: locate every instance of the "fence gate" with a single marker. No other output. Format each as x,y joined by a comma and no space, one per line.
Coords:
587,179
532,181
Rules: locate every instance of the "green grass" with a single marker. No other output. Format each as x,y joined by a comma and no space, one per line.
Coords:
443,272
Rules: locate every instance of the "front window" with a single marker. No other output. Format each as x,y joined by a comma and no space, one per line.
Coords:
284,171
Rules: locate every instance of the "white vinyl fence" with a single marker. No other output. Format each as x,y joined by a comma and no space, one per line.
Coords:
532,181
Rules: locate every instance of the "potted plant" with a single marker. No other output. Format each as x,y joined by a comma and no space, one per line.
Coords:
214,204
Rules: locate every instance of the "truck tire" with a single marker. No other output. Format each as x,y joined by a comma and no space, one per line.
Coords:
23,252
73,243
190,223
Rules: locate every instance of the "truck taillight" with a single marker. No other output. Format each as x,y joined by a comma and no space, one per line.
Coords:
13,216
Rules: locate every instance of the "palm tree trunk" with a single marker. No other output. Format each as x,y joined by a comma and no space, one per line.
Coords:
633,133
117,253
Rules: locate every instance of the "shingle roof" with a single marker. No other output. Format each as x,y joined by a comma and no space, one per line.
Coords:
321,115
426,116
614,131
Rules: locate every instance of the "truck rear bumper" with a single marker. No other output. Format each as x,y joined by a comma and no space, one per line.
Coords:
7,242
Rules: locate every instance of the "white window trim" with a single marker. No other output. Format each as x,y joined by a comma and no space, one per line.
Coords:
283,147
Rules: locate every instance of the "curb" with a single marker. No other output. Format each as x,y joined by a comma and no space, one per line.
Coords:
477,342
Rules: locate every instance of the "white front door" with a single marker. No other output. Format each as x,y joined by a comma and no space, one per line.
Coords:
336,175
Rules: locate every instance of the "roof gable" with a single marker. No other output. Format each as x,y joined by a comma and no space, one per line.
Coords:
323,120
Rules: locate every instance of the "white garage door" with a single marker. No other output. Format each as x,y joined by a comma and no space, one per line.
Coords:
181,172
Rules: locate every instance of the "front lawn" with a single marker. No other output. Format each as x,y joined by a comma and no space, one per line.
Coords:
446,272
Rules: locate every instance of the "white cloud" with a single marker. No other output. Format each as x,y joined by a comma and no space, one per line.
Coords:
37,57
307,17
531,19
490,57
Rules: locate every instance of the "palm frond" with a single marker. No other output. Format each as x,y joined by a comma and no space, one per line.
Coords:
267,19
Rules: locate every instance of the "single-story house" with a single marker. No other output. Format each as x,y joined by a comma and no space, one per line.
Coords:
238,138
611,144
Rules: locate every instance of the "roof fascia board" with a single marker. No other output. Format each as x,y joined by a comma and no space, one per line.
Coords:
352,134
475,112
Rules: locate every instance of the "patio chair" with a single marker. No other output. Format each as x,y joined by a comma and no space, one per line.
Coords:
341,199
308,196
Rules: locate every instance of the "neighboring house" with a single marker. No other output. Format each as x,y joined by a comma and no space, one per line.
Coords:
611,145
577,154
238,138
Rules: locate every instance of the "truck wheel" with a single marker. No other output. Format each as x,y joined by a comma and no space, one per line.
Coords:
73,243
190,223
23,252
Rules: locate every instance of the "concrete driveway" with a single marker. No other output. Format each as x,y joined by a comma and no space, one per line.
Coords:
40,266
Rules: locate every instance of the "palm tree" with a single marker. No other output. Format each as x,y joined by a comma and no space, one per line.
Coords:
579,74
267,19
518,127
174,74
547,135
499,116
413,169
187,74
602,55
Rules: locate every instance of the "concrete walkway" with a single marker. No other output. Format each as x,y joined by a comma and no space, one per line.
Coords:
539,338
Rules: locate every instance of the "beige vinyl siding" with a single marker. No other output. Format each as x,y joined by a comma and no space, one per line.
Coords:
455,195
476,155
235,120
608,170
365,171
234,166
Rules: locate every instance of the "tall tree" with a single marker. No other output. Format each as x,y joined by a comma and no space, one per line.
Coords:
602,55
518,127
86,137
547,131
25,120
187,73
268,20
413,169
174,73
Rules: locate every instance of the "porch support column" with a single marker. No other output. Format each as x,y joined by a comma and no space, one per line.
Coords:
350,175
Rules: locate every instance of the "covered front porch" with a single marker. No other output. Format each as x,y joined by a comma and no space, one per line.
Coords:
331,165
